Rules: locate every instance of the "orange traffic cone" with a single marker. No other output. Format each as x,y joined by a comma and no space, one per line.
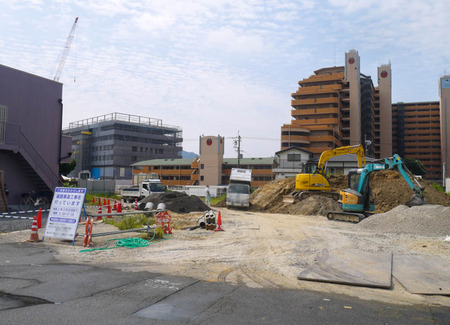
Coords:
34,237
104,201
99,201
99,212
109,211
119,207
109,202
115,205
219,223
39,218
93,199
135,204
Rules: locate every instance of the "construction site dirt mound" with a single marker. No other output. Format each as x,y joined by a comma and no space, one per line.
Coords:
269,198
175,201
388,187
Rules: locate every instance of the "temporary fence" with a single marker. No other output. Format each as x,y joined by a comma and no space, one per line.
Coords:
163,219
15,214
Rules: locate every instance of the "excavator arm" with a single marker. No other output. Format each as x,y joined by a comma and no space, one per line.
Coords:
326,155
357,202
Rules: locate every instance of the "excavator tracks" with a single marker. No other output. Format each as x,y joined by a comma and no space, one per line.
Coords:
299,196
346,216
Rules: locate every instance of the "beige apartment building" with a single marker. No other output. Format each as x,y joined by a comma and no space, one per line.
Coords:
339,106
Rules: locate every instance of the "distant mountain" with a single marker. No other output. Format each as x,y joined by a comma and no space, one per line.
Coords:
188,155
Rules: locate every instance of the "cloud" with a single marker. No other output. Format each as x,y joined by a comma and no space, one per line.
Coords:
228,40
219,66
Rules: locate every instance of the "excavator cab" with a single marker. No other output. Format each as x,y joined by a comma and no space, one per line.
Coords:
309,167
354,200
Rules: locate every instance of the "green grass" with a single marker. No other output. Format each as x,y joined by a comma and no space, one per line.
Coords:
215,200
137,221
130,222
439,187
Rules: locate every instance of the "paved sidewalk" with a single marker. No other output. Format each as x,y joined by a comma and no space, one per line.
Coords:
36,289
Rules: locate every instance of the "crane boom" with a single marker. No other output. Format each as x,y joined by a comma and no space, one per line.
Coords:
65,52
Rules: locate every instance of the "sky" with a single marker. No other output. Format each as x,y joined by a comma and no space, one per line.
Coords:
220,67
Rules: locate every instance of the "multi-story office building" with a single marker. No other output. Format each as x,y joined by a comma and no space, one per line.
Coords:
107,145
340,106
416,134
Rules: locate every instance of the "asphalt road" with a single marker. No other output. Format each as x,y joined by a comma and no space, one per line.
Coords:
36,289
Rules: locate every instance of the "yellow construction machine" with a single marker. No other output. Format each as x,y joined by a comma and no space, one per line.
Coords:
314,181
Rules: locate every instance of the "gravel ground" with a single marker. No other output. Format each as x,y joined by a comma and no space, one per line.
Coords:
426,220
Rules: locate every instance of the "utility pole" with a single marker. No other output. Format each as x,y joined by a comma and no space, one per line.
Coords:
237,146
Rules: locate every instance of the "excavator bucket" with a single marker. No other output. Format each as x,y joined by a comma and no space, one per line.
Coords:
416,200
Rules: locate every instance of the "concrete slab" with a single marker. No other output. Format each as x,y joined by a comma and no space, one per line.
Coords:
188,303
421,274
352,267
64,282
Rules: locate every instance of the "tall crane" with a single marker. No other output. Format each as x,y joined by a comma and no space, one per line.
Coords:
65,52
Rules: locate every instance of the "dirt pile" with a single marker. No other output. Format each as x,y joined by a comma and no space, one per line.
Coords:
427,220
388,187
175,201
271,194
269,198
391,190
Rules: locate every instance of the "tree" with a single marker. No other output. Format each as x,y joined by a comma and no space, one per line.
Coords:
415,166
66,168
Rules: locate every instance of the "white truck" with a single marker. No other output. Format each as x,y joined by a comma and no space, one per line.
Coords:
238,192
144,189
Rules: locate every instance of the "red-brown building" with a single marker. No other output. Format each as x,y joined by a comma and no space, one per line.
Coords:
208,169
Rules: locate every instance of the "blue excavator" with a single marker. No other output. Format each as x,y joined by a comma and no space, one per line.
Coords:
357,200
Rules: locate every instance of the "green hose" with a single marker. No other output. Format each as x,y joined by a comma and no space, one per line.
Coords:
121,242
124,242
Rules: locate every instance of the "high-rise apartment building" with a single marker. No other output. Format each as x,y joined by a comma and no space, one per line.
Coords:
340,106
416,134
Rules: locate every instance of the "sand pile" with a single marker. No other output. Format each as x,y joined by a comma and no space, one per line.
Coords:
176,201
426,220
388,187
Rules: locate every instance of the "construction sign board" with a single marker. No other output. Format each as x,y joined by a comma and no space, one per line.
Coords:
65,213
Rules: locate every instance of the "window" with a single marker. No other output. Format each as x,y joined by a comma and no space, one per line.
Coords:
294,157
134,148
202,178
202,166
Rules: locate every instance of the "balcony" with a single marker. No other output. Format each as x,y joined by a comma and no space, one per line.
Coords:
409,138
314,101
315,121
313,111
421,131
293,128
314,90
322,138
323,78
